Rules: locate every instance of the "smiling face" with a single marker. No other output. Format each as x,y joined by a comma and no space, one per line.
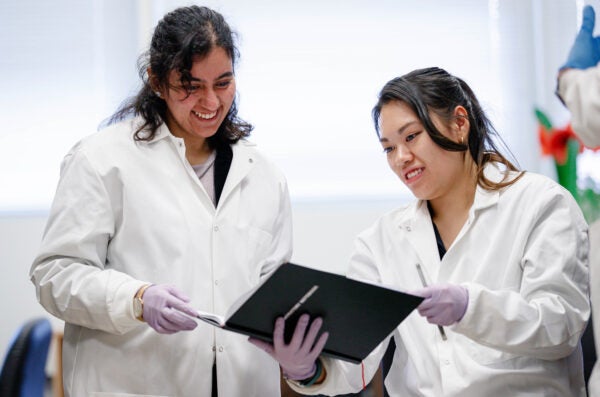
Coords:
429,171
195,113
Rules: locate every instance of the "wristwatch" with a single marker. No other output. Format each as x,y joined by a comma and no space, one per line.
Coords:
138,302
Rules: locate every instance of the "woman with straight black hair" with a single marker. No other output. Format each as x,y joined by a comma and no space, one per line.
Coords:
504,254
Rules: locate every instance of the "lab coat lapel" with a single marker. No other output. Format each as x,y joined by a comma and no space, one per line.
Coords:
419,232
483,199
242,163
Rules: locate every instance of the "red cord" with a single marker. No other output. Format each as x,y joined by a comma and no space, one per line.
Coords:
362,366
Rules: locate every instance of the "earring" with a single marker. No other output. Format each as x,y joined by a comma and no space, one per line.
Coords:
462,139
158,94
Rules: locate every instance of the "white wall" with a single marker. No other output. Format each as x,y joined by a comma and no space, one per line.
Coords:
307,78
19,241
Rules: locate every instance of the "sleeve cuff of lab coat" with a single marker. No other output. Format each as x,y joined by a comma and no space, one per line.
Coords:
473,290
122,305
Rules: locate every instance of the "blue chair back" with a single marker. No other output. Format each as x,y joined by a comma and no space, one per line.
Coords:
23,372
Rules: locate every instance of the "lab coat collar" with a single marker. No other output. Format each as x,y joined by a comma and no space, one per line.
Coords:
244,157
483,198
416,222
486,198
161,133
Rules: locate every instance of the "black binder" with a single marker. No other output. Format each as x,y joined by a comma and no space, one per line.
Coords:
357,315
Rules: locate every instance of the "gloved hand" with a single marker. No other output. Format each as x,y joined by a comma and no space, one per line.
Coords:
585,51
444,304
164,306
298,359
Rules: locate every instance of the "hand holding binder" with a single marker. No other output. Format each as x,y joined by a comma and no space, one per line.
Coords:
358,316
298,358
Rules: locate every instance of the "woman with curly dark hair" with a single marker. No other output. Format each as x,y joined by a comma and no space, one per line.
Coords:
166,211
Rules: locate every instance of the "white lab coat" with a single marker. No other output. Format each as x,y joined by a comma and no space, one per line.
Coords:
594,381
580,91
128,213
523,256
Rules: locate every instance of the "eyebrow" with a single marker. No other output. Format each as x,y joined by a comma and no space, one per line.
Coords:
226,74
400,130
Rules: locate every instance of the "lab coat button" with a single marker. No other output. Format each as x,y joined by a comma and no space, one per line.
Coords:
220,348
214,348
250,161
446,362
216,228
408,228
216,282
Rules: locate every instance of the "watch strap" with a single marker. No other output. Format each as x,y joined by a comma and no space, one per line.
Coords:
138,297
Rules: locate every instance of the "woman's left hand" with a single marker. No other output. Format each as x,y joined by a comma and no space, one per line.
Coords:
298,358
444,304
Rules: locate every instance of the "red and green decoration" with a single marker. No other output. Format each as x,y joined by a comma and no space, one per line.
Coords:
564,146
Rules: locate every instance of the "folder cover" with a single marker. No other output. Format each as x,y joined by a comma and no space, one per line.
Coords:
357,315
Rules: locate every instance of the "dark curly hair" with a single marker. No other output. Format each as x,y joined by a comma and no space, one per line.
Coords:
434,89
180,37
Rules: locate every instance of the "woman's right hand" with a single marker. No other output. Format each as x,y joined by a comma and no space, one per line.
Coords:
164,308
298,358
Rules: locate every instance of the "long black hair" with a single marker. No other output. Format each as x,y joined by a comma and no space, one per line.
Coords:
182,36
433,89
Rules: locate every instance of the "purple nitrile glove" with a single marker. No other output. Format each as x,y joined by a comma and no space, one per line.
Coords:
298,359
585,51
444,304
164,306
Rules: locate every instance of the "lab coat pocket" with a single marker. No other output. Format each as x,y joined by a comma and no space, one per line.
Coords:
484,355
107,394
258,242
